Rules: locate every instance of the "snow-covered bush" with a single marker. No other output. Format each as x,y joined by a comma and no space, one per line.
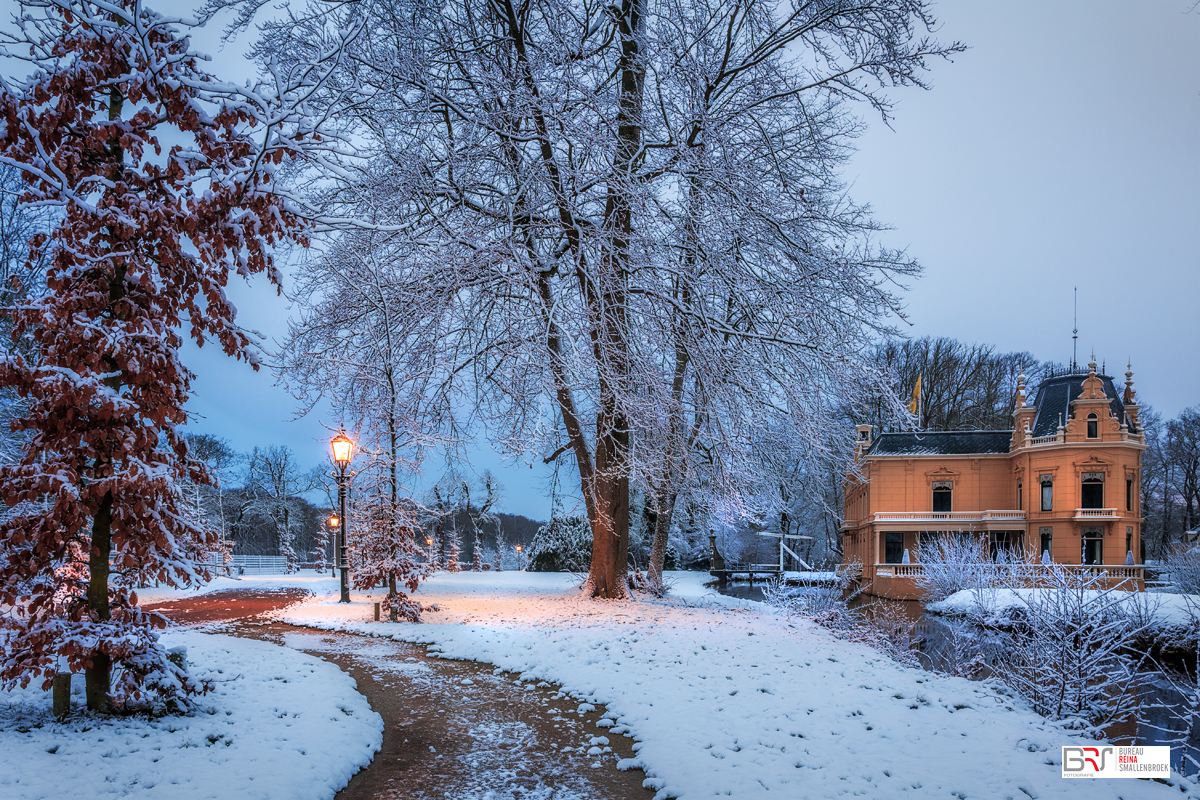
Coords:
883,626
385,550
562,545
951,563
1183,567
1072,654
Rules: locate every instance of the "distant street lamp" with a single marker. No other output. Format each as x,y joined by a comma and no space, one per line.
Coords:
429,544
519,558
343,451
333,525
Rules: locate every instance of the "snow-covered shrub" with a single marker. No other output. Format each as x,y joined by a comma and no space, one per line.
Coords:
562,545
1183,567
880,625
953,562
1072,652
385,550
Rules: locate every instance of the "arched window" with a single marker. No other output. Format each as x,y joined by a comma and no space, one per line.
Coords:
1093,426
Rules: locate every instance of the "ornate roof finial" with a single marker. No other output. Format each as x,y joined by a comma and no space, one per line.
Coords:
1130,393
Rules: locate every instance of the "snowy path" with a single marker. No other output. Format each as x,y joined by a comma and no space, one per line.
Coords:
728,699
461,730
280,725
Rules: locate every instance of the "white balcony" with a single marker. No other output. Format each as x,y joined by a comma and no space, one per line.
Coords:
1096,513
1027,572
950,520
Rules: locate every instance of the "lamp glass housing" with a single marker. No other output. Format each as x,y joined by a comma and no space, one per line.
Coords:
334,521
343,448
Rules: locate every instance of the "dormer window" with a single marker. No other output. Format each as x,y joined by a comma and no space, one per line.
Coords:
1093,426
942,491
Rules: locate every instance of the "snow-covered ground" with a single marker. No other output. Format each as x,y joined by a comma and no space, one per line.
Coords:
319,583
280,725
1166,614
729,698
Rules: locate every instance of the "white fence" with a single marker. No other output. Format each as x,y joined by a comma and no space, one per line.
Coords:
251,565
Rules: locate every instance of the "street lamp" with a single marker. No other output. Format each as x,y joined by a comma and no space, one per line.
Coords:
429,544
343,451
333,525
519,548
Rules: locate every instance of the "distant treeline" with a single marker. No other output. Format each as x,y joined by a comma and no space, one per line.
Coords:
264,504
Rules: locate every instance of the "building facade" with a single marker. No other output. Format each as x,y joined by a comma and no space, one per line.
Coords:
1063,485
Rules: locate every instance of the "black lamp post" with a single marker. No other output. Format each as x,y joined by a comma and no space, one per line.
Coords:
519,548
334,522
343,451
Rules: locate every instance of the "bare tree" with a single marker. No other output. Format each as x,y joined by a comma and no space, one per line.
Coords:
1183,452
626,214
480,513
22,278
964,386
275,482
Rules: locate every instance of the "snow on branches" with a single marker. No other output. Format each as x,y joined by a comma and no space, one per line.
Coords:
613,234
161,181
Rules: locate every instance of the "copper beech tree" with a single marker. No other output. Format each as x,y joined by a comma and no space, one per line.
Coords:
161,182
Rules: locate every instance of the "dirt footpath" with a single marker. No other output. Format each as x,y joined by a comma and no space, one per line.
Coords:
452,729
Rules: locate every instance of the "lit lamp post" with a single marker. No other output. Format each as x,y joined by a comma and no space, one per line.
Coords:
429,544
519,548
343,451
333,526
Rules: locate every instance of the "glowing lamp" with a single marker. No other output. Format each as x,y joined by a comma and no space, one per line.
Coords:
334,521
343,449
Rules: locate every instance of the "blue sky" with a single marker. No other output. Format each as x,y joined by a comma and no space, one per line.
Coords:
1061,150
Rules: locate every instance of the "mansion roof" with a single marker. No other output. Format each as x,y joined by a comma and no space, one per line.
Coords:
1054,399
1053,407
933,443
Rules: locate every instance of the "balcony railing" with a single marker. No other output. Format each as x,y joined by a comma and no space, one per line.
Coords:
1042,441
947,516
1095,513
1025,571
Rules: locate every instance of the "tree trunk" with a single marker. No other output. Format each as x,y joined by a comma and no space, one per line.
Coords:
392,599
98,677
610,532
665,512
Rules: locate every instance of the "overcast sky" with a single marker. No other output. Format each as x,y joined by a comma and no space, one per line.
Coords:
1061,150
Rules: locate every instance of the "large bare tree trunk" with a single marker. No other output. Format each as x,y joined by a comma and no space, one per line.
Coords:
610,529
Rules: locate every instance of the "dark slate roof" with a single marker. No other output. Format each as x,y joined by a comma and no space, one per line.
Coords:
944,443
1054,397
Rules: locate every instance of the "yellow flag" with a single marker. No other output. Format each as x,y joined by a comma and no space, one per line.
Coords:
915,400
